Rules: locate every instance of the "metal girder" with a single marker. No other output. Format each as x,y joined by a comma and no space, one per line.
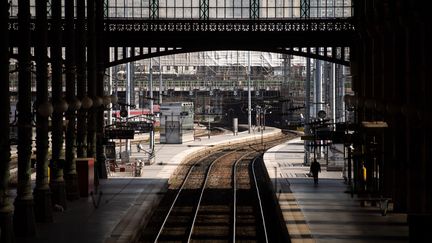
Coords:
204,9
338,55
254,9
310,30
105,7
154,9
340,58
305,9
238,34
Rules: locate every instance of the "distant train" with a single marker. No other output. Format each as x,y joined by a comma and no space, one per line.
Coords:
137,112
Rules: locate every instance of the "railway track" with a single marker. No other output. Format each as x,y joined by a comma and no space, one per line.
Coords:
222,197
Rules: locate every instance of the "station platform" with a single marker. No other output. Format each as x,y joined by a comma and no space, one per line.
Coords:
313,213
122,204
326,212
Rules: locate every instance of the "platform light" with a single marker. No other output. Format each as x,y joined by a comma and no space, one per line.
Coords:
97,102
45,109
86,102
75,104
114,99
106,100
121,75
61,106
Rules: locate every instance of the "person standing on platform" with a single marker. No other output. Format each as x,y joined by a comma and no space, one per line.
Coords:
139,147
315,168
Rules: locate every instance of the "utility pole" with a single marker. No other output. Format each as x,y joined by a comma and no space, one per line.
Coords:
160,82
152,138
249,96
128,97
307,110
334,87
305,14
208,118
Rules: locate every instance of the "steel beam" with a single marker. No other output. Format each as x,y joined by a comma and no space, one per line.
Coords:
154,9
204,10
254,9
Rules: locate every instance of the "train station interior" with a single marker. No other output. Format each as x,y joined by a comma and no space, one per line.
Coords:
198,120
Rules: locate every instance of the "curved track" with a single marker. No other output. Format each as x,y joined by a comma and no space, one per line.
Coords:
219,198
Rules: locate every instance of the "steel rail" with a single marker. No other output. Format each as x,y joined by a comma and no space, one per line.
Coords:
172,205
202,193
176,197
235,194
259,200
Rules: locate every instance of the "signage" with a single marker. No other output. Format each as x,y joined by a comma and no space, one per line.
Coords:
322,114
336,137
374,124
120,133
141,126
308,137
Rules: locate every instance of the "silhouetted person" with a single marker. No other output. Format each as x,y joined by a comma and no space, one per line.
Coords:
315,168
139,147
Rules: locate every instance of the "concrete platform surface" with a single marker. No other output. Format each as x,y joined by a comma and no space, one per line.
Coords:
121,205
325,212
322,213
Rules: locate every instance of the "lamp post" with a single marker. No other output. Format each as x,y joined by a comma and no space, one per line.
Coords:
258,117
261,113
208,118
267,107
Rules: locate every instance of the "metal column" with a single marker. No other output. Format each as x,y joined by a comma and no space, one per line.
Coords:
333,90
318,86
160,82
42,193
307,109
23,219
91,79
70,174
81,80
249,96
129,77
6,207
101,51
152,137
57,183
